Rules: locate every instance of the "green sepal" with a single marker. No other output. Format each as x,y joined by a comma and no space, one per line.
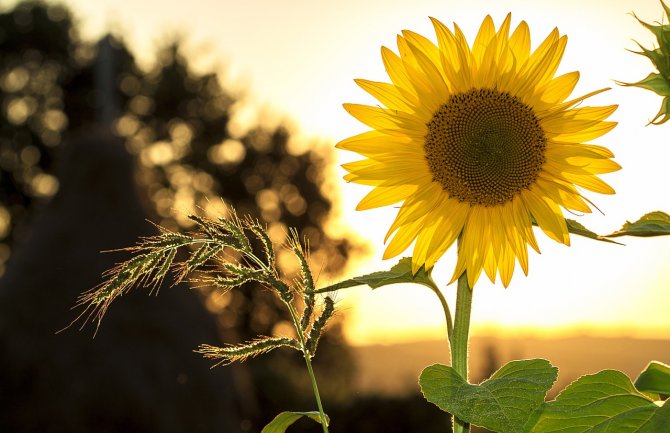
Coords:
662,32
657,57
655,378
660,57
605,402
503,403
654,82
663,113
285,419
399,273
652,224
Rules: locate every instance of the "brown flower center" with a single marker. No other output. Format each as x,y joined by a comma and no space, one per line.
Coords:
484,146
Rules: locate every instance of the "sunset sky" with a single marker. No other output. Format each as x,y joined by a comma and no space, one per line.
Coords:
295,61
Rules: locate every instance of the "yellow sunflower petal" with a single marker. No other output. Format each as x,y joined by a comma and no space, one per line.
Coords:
540,67
449,57
421,249
417,206
559,88
403,238
392,122
515,237
396,70
403,171
506,265
590,182
453,216
548,216
437,86
590,113
385,196
424,45
486,32
563,194
387,94
422,84
475,243
519,43
464,57
374,143
523,222
591,133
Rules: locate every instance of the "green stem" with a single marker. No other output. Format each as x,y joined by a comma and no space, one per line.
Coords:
308,361
447,313
429,283
322,414
459,338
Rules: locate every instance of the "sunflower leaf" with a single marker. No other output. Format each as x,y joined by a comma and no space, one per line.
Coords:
503,403
399,273
600,403
652,224
285,419
578,229
655,378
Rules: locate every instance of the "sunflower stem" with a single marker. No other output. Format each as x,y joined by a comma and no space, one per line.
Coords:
459,338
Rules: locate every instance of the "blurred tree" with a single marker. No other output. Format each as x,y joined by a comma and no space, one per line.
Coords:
176,122
36,49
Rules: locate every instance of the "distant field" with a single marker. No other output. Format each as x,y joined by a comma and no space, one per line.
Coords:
394,369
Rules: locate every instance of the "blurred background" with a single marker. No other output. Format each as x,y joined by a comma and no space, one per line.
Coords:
117,113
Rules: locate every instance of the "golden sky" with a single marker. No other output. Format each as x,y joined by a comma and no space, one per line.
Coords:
299,58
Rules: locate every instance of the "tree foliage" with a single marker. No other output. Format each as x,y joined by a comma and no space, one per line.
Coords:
177,122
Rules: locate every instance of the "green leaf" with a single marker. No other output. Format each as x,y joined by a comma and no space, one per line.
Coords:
285,419
578,229
605,402
652,224
503,403
400,273
655,378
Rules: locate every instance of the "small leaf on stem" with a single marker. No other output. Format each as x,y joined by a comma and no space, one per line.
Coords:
400,273
284,420
578,229
652,224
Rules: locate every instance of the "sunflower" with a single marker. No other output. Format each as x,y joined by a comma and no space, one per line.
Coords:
478,143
